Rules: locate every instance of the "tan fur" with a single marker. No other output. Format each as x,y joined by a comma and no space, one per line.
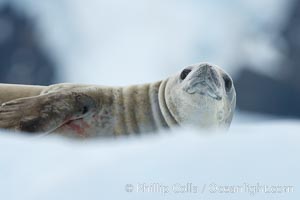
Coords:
90,111
10,92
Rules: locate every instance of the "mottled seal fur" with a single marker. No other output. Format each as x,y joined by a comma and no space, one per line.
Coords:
201,95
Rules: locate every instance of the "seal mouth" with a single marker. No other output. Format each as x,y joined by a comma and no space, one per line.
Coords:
214,96
203,88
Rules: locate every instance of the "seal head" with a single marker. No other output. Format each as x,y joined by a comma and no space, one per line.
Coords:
202,95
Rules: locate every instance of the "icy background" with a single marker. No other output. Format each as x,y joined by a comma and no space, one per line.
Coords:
125,42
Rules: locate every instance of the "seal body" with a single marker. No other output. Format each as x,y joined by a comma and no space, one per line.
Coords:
202,95
119,111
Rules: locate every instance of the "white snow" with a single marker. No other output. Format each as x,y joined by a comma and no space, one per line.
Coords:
55,168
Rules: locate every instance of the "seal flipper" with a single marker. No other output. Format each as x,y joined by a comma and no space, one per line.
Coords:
46,112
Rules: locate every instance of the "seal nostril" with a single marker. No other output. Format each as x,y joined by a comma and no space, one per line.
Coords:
184,73
227,82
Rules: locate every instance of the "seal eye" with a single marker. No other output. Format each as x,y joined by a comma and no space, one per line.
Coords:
227,82
184,73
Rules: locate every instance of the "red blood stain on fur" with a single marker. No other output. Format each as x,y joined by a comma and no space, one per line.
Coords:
79,127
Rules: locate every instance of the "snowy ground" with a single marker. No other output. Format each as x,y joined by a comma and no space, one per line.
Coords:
252,159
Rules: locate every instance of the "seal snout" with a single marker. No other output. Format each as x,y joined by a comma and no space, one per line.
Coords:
205,80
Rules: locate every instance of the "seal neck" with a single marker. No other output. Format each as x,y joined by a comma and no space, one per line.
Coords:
137,109
167,115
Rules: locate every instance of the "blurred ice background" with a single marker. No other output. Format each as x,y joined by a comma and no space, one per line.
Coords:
127,42
120,43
